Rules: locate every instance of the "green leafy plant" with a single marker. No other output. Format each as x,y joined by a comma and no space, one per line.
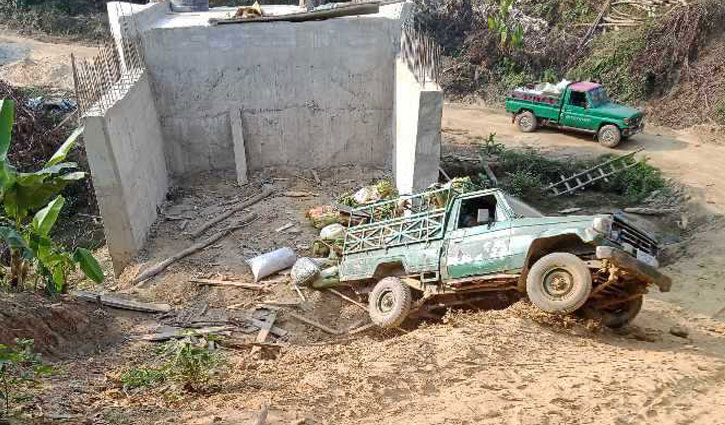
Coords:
140,377
636,183
524,184
22,194
19,368
720,111
491,147
189,362
511,34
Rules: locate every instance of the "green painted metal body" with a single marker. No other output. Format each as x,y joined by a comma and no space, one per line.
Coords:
592,111
434,244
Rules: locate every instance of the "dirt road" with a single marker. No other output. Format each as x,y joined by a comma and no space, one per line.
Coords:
28,62
692,157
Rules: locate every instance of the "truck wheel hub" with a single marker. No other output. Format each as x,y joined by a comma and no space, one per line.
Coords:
386,302
526,122
608,136
558,283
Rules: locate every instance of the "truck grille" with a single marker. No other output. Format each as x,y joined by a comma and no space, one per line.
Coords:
632,239
635,122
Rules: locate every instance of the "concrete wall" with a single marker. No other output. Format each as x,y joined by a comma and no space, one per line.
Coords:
309,94
125,151
418,114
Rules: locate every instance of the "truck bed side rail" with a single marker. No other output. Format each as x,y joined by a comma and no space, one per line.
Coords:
417,228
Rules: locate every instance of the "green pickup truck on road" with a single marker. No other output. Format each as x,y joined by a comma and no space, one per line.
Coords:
582,106
454,247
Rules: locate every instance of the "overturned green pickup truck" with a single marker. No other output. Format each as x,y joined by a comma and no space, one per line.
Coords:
448,246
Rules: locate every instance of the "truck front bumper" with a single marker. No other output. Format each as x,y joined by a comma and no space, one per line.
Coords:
634,266
631,131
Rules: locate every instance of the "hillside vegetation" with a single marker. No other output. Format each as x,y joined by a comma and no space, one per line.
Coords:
673,57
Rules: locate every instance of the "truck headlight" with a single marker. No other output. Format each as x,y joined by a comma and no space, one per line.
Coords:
602,225
627,121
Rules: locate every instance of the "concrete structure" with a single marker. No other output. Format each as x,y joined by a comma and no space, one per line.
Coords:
418,115
276,94
126,154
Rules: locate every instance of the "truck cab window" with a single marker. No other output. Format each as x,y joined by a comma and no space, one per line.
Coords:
468,216
578,98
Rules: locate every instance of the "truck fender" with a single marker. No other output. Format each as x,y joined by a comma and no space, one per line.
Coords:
609,123
569,242
390,268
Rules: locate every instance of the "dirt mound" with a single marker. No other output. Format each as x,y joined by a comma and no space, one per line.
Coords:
60,329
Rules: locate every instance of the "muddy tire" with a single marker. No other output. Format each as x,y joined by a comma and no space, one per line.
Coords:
389,302
527,122
559,283
621,316
609,136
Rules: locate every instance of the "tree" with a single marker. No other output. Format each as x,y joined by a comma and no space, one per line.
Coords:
22,194
511,34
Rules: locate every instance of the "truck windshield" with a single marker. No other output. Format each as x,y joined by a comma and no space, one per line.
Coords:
599,96
521,208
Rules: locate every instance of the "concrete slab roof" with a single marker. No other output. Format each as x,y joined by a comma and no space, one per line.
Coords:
201,19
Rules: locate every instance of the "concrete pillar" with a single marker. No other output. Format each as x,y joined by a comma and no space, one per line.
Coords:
418,114
240,153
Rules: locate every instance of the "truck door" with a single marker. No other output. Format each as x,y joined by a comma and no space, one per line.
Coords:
574,111
472,247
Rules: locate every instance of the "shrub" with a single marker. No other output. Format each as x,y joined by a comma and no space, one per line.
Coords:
636,183
523,184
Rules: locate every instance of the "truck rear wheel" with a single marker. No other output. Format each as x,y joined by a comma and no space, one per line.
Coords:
559,283
389,302
609,136
527,122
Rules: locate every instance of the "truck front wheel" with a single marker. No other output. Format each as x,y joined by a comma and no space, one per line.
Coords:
527,122
609,136
389,302
559,283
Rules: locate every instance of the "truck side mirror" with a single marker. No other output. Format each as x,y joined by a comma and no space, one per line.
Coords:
483,216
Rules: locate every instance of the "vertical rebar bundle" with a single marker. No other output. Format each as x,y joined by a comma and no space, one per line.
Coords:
422,54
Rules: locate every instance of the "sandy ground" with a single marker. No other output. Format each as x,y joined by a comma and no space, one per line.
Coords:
28,62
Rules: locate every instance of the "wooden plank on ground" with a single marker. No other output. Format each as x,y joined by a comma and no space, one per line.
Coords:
215,282
120,303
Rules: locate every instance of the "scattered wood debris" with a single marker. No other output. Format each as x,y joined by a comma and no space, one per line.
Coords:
650,211
120,303
264,331
216,282
184,332
314,323
238,208
285,227
295,194
158,268
570,210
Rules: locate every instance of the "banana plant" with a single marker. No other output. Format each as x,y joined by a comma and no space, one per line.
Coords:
38,193
511,34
